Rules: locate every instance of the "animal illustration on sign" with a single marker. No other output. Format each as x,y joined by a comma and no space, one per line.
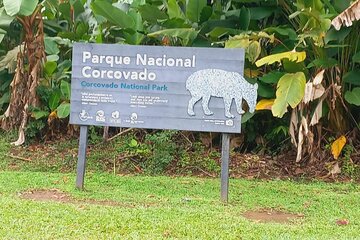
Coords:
207,83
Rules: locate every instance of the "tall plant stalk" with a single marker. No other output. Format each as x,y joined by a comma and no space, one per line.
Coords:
27,75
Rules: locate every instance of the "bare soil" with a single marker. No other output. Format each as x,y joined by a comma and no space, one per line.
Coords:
56,195
266,216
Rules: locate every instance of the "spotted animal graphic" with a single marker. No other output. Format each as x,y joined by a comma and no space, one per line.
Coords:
208,83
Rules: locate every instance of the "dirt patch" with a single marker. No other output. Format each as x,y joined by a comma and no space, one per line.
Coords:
265,216
56,195
46,195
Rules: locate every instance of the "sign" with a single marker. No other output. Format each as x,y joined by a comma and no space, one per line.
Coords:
195,89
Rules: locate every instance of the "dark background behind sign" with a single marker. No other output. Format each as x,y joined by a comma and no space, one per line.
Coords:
158,109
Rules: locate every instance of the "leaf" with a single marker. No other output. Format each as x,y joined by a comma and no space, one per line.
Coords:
266,90
5,98
323,63
246,117
194,9
10,59
64,9
206,14
2,34
290,91
38,114
151,13
244,18
356,57
258,13
338,36
319,77
251,73
337,146
293,67
187,34
241,39
235,42
5,19
112,14
65,89
54,100
81,30
64,65
352,77
20,7
342,222
314,89
313,92
219,32
52,58
284,31
265,104
293,126
253,51
51,46
174,10
63,110
317,115
137,37
77,8
303,130
272,77
341,5
133,143
52,116
353,97
292,56
348,16
50,68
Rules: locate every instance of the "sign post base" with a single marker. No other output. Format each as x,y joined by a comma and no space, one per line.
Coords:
81,163
225,155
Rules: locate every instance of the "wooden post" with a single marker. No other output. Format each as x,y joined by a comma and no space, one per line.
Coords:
81,163
225,155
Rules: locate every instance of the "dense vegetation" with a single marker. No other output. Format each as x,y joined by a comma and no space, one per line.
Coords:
307,71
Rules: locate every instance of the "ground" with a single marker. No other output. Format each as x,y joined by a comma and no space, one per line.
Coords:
117,156
270,197
39,205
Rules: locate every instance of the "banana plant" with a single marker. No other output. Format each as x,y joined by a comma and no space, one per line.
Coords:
29,63
10,9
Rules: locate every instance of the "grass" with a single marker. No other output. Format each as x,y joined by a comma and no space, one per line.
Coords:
174,208
159,207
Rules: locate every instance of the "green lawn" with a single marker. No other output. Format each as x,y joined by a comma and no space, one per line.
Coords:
174,208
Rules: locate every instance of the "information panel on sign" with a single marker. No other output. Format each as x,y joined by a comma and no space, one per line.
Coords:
195,89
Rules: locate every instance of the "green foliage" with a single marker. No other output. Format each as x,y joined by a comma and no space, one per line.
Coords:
112,13
197,160
20,7
63,110
291,89
163,149
4,90
194,9
353,97
349,168
94,135
34,128
286,44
